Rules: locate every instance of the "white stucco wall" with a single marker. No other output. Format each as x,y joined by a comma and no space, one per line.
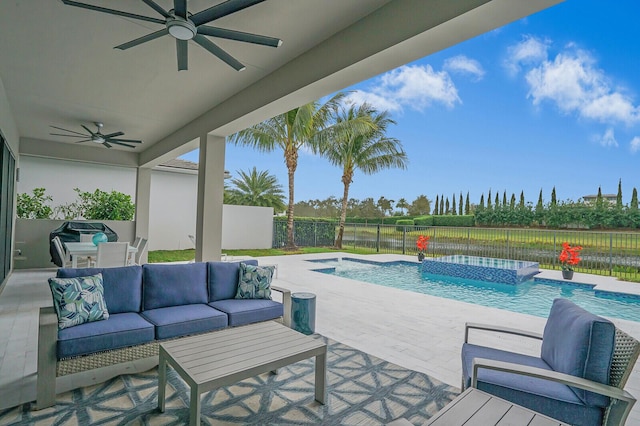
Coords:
172,205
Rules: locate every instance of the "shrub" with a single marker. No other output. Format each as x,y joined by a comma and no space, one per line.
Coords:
423,221
465,220
101,205
34,206
402,223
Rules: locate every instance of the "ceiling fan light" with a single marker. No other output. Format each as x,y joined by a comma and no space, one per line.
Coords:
181,29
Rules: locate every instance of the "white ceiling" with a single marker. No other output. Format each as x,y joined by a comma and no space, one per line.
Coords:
58,65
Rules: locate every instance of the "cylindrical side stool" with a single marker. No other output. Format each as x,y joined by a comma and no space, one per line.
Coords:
303,312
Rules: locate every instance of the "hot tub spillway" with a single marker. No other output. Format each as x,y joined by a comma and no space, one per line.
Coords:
482,268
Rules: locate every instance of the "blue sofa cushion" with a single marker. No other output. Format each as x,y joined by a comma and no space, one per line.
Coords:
550,398
119,331
223,279
581,344
246,311
122,286
174,285
183,320
78,300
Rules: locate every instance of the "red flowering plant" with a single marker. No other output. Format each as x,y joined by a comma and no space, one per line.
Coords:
422,243
570,256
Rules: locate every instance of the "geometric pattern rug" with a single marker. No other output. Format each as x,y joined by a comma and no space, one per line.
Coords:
361,390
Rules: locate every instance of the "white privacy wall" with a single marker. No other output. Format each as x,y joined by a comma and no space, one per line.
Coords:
173,201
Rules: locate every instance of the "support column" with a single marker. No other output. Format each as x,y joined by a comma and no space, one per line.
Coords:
210,198
143,206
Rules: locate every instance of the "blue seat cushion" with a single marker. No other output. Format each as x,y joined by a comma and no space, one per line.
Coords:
550,398
174,285
175,321
119,331
223,279
122,286
247,311
581,344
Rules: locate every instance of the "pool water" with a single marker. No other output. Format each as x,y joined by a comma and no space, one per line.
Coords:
531,297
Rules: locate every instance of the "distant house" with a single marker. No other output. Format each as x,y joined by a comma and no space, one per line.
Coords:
591,199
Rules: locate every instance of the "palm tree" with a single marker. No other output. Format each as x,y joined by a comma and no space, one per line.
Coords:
306,126
256,189
368,149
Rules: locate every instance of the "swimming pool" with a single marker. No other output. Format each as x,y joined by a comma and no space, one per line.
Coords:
533,297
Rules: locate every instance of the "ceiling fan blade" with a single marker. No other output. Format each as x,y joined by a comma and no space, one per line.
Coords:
105,143
183,56
67,130
87,129
224,56
86,140
143,39
120,143
223,9
180,8
157,8
113,11
123,140
111,135
68,136
239,36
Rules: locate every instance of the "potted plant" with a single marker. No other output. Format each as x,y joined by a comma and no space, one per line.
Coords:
569,257
422,243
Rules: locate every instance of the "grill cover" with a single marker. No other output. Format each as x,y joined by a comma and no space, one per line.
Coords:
70,232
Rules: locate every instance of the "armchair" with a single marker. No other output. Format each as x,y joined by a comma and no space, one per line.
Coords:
578,378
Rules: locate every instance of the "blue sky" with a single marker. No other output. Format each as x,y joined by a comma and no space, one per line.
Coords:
550,100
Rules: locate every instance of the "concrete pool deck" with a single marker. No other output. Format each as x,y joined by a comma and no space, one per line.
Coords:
417,331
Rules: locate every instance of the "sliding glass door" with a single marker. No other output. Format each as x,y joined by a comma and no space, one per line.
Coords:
7,185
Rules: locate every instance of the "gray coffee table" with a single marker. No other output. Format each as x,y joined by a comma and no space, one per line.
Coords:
209,361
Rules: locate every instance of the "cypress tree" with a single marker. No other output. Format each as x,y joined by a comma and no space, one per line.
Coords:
435,210
442,204
539,206
504,198
619,196
599,198
467,204
460,206
447,211
481,205
553,196
512,205
634,199
521,199
489,200
454,210
497,200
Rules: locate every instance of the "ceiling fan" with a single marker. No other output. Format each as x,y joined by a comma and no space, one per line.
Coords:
185,26
97,136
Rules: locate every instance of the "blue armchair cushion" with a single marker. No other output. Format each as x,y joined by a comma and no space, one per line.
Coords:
175,321
255,282
78,300
550,398
122,286
119,331
581,344
223,279
174,285
247,311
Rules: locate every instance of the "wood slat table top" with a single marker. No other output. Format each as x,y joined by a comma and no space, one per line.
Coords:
210,356
474,407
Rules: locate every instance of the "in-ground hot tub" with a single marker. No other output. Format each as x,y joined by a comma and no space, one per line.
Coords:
482,268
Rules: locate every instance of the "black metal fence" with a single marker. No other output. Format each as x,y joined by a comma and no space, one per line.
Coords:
604,253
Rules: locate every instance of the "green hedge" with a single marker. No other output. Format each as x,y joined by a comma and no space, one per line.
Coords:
450,220
307,232
423,221
402,223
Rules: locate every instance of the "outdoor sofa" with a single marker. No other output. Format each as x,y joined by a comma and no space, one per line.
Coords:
147,304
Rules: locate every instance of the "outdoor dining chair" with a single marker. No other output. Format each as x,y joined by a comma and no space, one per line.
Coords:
142,247
578,378
112,255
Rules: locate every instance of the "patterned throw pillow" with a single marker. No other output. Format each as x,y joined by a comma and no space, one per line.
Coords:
78,300
255,282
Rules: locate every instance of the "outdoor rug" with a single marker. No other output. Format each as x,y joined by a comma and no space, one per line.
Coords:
361,389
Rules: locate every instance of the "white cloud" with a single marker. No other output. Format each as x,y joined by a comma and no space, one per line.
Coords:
529,50
464,65
635,144
608,139
573,82
416,87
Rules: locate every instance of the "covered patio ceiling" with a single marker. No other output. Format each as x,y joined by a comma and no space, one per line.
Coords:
59,67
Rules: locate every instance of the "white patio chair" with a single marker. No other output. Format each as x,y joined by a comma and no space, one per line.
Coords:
64,256
142,247
112,255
